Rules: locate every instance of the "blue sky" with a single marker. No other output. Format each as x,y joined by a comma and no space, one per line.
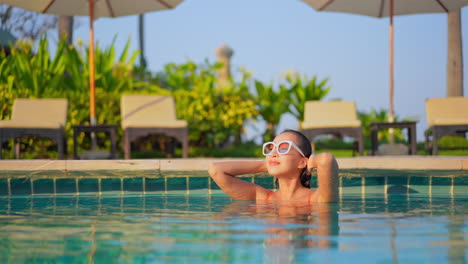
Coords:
270,37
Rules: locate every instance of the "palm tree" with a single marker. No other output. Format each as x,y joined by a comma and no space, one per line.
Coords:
303,90
271,106
141,34
65,28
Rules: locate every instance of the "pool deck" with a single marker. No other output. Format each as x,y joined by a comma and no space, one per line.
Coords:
201,164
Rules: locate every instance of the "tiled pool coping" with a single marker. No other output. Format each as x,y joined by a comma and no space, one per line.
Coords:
201,164
432,175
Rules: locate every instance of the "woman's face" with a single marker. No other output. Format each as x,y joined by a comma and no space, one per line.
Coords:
288,164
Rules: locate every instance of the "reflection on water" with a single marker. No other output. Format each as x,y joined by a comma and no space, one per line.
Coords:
214,229
290,231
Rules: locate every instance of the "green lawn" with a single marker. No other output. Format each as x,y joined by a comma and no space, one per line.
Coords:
455,152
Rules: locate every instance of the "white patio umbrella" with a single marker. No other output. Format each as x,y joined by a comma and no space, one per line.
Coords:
94,9
387,8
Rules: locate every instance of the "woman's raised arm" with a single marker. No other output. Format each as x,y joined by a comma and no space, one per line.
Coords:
224,174
328,178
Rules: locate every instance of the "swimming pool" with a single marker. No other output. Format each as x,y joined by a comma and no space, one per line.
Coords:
186,219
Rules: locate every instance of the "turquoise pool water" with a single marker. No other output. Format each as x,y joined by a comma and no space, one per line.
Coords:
198,228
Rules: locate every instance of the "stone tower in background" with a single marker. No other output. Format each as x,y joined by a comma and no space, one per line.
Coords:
224,54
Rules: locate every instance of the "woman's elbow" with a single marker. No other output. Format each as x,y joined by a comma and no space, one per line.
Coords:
327,159
212,170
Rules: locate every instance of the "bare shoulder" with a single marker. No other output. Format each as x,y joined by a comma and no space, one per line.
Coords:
262,193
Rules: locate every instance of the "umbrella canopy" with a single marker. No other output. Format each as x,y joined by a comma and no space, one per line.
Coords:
382,8
94,9
387,8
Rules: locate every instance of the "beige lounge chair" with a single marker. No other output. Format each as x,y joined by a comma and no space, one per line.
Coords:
36,117
151,114
334,117
446,116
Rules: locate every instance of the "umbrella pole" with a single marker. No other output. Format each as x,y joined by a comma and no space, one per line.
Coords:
391,117
92,104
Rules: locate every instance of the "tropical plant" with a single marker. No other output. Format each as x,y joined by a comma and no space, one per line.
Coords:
39,74
303,90
35,73
7,91
30,74
213,113
379,116
271,106
184,76
113,77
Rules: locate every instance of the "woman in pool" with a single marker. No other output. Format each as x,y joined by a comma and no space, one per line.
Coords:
289,159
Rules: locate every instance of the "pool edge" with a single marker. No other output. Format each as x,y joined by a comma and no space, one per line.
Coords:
201,164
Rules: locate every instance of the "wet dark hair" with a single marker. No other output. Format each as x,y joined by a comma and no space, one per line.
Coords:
304,144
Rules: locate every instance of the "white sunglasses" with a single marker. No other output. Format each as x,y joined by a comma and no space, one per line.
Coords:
282,147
